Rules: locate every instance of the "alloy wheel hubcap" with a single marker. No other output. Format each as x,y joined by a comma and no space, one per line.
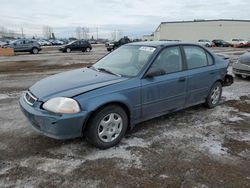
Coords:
215,95
110,127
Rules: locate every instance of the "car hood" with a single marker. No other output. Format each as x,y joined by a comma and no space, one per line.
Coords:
245,58
72,83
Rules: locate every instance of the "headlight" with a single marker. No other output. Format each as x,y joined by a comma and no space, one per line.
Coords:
62,105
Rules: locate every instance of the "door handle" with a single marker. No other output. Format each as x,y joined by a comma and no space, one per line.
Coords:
212,72
182,79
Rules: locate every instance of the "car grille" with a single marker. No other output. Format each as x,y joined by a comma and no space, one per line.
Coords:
241,71
29,98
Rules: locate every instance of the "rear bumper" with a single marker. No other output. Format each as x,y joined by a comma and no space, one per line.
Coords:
56,126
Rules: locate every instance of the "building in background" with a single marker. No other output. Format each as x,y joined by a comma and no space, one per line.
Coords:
192,31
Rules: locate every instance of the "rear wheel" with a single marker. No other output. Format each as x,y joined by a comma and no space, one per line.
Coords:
107,127
214,96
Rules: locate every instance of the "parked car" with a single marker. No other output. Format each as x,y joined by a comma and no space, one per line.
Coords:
78,45
239,42
25,45
221,43
56,42
205,42
2,43
242,67
44,43
134,83
113,45
93,42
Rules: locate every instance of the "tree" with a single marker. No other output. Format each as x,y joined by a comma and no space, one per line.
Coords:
78,33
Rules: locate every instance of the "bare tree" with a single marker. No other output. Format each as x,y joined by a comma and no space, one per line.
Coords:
119,34
113,35
85,33
47,31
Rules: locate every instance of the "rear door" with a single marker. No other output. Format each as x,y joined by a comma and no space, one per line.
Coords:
168,91
201,73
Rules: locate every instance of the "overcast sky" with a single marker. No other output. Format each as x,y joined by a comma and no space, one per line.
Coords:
133,17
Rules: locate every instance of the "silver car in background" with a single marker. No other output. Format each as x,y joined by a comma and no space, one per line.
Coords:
242,66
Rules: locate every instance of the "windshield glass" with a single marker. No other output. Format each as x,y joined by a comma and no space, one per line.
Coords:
14,41
72,42
126,60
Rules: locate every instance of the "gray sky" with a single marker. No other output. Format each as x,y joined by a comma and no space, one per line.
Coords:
133,17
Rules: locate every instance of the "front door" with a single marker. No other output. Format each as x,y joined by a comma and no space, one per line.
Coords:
165,92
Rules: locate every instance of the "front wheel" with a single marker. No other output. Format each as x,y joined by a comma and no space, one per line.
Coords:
107,127
214,96
68,50
34,51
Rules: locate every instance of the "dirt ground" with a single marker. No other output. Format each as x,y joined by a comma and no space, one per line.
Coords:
195,147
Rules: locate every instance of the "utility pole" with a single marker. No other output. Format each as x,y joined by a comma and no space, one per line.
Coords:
22,31
97,33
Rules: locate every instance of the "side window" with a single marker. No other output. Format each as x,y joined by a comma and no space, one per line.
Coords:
169,60
196,57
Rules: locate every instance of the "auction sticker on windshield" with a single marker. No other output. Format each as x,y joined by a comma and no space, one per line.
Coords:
147,48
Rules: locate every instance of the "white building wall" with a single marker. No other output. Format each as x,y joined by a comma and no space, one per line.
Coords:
193,31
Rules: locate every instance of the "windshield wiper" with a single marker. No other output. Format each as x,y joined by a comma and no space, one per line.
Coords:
108,71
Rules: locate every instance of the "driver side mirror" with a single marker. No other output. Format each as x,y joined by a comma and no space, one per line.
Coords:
154,72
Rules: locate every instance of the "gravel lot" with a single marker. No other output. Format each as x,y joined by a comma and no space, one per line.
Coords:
196,147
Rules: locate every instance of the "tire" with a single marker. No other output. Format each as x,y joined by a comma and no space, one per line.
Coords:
34,51
68,50
214,96
107,127
88,49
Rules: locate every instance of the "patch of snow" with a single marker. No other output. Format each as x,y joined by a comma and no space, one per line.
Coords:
52,165
4,96
235,118
214,147
239,89
163,176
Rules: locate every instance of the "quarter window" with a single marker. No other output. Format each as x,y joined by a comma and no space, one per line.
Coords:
196,57
169,60
210,59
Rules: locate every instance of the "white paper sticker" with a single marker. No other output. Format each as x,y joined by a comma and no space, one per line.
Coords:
147,48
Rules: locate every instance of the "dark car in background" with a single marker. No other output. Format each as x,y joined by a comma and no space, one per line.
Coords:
25,45
78,45
134,83
221,43
241,68
113,45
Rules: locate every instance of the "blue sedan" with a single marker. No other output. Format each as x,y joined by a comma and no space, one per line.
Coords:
134,83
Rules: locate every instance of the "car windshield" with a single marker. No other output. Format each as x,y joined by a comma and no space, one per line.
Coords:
14,41
72,42
126,60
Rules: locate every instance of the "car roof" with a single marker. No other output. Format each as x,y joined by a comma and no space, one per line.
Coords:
157,43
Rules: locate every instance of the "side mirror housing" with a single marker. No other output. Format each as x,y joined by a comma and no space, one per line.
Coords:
154,72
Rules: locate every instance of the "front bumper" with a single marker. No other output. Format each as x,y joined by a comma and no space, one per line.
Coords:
56,126
241,69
